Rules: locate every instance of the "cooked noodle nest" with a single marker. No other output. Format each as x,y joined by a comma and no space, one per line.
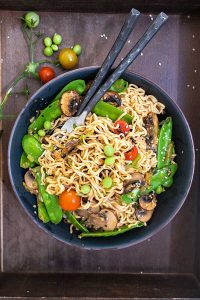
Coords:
85,164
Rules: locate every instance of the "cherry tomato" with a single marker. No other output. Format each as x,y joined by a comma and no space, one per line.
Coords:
46,74
121,127
68,58
131,155
69,200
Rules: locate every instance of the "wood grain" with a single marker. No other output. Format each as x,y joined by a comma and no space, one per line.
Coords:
170,62
117,6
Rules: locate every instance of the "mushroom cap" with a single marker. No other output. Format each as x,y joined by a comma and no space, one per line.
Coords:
70,146
30,182
113,97
152,126
105,220
148,202
69,103
136,181
143,215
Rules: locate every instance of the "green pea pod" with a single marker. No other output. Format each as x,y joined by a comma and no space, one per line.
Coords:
70,216
159,189
50,201
76,85
32,147
164,140
119,86
163,176
111,233
42,212
25,163
170,151
104,109
50,113
131,197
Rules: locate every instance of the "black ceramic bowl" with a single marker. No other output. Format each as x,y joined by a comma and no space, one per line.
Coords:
169,202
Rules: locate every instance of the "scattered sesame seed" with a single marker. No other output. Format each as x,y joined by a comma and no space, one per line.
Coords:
35,212
193,49
122,58
195,71
34,206
160,64
1,60
193,87
182,151
141,272
141,53
197,149
188,85
188,17
149,240
1,21
128,41
193,36
8,37
28,291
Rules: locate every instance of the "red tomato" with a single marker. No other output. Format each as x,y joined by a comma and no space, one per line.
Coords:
131,155
121,127
46,74
69,200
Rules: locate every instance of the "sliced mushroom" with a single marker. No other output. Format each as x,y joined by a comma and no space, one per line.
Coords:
71,145
69,103
85,213
151,125
105,220
112,97
136,181
148,202
143,215
30,183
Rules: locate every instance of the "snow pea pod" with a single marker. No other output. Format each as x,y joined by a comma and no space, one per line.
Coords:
50,201
104,109
50,113
76,85
111,233
42,212
75,222
32,147
164,140
119,86
163,177
25,163
170,151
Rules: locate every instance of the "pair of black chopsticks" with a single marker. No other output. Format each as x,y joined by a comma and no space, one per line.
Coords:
94,95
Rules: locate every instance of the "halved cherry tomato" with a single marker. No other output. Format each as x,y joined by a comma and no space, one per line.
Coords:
131,155
121,127
69,200
46,74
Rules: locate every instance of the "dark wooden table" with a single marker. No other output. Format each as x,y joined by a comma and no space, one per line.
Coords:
172,60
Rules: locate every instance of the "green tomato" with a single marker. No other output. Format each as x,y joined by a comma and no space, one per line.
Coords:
57,39
32,19
107,182
108,150
48,51
77,49
109,161
41,132
54,47
47,125
85,189
47,41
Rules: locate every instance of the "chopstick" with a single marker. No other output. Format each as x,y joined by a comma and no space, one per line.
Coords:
130,57
111,57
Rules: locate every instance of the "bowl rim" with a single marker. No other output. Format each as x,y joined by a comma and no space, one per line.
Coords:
127,243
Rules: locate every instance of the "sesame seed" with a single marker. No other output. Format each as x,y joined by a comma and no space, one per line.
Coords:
35,212
182,151
141,54
122,58
193,87
1,60
188,17
160,64
193,49
195,71
193,36
188,85
8,37
128,41
197,149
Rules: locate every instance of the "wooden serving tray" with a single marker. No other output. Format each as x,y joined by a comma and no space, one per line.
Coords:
35,265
